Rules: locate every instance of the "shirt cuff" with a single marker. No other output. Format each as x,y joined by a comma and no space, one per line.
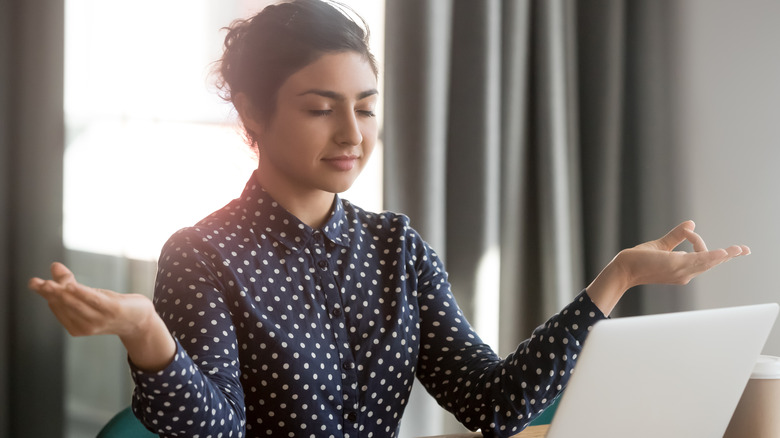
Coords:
580,315
181,368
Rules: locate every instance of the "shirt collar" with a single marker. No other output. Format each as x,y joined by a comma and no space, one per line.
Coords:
268,217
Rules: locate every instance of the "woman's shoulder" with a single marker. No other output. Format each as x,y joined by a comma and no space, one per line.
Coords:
389,226
386,219
218,226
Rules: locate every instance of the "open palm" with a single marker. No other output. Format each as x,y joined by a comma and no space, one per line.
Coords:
85,311
658,261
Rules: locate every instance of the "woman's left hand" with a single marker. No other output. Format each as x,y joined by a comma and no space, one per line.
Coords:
657,262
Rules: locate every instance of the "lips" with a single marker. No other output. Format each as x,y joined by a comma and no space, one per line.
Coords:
342,162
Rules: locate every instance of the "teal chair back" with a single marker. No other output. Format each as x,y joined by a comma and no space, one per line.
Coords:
125,425
548,414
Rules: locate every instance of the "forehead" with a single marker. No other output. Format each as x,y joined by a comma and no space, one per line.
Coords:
347,73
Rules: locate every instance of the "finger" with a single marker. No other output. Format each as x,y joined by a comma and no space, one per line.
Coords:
706,260
86,297
676,236
735,251
35,283
82,307
696,240
48,289
709,259
61,274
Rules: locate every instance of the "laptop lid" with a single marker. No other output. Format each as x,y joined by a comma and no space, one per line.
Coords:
671,375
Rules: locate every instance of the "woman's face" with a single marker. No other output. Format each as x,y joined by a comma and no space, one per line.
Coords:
324,129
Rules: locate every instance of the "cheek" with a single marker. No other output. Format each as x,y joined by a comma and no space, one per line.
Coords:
370,133
299,140
369,146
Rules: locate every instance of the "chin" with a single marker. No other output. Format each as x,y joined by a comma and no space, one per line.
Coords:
340,185
340,190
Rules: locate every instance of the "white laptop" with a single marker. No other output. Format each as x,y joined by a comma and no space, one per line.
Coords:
669,375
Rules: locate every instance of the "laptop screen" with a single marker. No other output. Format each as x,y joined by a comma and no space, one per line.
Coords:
672,375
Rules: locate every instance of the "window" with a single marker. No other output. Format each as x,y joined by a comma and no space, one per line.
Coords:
151,147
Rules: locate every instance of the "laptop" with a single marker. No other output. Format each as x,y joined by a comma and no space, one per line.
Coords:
668,375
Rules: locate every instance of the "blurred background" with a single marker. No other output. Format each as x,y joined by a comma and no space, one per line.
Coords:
529,141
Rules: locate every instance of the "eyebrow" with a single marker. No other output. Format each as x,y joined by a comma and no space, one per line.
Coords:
338,96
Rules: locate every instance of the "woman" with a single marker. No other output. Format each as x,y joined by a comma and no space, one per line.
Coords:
292,312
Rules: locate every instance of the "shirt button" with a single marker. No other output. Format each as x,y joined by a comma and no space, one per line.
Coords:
348,366
352,416
337,312
323,264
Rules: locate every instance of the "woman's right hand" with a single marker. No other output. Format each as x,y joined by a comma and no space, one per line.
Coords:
86,311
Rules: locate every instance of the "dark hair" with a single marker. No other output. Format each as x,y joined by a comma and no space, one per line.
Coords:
261,52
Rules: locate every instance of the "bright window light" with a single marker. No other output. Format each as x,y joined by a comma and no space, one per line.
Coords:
151,148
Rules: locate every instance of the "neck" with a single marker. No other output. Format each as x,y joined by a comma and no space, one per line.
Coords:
311,207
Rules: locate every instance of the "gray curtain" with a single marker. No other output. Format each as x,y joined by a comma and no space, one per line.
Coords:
31,148
536,130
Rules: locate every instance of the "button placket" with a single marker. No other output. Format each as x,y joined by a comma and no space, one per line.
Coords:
326,278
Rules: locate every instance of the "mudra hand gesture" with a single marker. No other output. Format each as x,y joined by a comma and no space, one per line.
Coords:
658,262
85,311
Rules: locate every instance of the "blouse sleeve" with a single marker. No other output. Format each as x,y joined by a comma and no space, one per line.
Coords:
466,377
200,392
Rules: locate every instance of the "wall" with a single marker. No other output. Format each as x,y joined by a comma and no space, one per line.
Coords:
729,126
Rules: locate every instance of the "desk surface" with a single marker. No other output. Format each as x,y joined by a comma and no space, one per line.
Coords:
529,432
533,432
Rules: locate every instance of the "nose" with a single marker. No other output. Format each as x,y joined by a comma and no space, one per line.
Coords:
349,133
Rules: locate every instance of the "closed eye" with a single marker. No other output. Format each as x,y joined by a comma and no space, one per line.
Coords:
367,113
320,113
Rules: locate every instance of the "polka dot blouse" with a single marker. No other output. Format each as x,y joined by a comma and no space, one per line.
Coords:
285,330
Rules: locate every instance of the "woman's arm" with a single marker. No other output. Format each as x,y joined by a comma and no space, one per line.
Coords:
656,262
482,390
85,311
466,377
166,374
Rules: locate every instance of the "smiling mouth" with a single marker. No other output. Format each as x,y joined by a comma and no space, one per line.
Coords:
343,162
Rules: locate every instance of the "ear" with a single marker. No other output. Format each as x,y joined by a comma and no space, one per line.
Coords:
249,115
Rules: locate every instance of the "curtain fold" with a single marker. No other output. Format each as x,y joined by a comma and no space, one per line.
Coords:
31,147
554,141
602,81
473,140
656,196
517,140
5,223
416,110
517,264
